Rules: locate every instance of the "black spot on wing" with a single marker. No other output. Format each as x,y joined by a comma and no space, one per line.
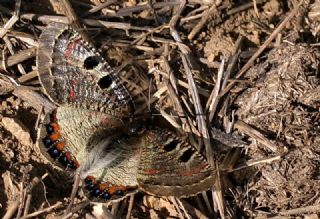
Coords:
91,62
185,157
105,82
171,146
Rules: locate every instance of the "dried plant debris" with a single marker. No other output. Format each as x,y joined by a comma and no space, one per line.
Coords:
238,80
284,104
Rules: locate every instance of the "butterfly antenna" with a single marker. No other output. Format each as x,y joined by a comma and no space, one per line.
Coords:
73,193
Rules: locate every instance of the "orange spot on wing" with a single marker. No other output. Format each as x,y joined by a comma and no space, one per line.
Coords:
55,136
104,186
60,146
112,190
55,127
151,171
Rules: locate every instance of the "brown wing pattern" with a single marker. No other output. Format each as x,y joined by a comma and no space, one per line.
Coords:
170,166
73,73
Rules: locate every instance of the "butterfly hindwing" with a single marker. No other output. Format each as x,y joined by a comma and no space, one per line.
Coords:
170,166
66,134
110,168
73,73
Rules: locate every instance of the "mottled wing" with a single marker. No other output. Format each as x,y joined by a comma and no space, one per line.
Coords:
67,133
73,73
170,166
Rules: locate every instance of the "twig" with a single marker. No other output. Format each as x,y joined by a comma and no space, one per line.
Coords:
13,207
100,7
76,208
35,181
28,76
262,48
177,207
244,7
211,103
251,163
19,57
13,19
253,133
204,19
73,18
91,22
229,71
115,208
12,52
129,10
190,208
45,210
131,201
74,192
34,99
302,210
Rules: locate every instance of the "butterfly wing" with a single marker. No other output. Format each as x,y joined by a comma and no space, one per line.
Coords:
73,73
110,168
66,134
170,166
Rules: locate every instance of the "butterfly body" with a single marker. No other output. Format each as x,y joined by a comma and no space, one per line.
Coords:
88,134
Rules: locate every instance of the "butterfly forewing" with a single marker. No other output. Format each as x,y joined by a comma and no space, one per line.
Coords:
170,166
73,73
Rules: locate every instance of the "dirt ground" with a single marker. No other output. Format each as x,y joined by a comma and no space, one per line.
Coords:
255,66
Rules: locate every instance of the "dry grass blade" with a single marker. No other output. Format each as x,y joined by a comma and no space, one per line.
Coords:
204,19
13,207
254,162
73,193
248,130
73,18
45,210
12,20
91,22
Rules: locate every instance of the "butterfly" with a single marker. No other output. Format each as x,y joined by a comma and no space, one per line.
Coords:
89,131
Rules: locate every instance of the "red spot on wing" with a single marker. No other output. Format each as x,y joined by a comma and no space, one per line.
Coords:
151,171
72,93
53,116
193,171
71,46
68,155
76,163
